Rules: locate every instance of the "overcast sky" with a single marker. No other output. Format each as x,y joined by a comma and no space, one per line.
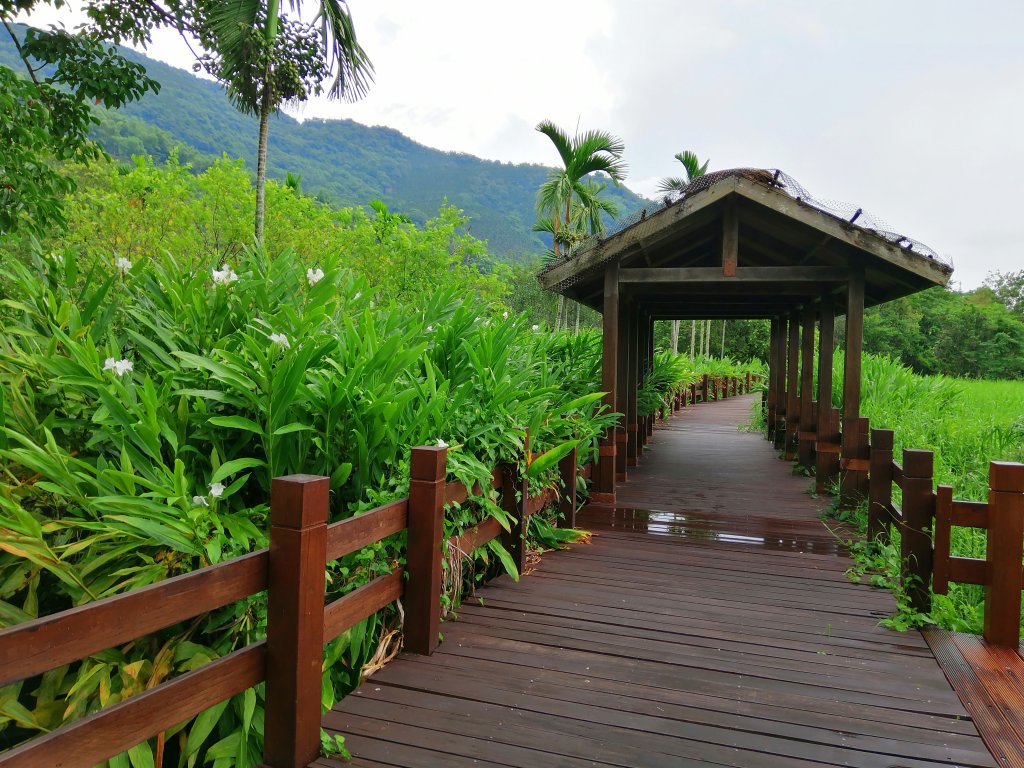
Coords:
912,110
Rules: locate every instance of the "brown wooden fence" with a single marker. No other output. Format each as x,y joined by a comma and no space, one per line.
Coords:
292,570
925,519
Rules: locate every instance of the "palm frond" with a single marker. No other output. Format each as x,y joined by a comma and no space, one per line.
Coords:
692,165
563,144
352,68
672,184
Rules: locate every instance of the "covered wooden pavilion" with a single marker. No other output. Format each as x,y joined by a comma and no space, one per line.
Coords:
745,244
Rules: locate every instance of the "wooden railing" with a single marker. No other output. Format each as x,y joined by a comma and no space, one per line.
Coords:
713,388
925,519
292,570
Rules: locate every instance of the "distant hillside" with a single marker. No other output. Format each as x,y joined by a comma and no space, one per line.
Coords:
341,161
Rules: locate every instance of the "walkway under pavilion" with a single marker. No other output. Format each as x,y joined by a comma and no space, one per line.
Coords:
710,622
747,244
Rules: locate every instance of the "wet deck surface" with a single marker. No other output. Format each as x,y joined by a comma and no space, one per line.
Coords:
709,623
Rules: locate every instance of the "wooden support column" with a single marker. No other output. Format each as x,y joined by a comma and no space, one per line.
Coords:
773,366
632,385
422,600
730,240
604,475
295,619
567,500
792,388
880,519
851,489
915,535
1003,553
626,340
779,437
515,492
826,470
649,324
808,429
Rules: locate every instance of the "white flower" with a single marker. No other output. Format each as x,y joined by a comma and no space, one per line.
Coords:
430,329
224,276
281,340
314,276
122,264
119,367
535,328
441,443
504,315
200,501
57,258
356,297
217,490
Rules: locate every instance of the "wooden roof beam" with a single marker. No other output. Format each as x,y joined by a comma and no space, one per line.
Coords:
668,275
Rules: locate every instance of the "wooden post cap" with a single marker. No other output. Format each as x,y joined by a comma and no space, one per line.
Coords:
428,462
918,463
1006,476
882,439
299,501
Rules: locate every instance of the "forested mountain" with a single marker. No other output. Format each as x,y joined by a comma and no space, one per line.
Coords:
340,161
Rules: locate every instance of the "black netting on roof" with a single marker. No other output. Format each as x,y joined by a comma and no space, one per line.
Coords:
773,178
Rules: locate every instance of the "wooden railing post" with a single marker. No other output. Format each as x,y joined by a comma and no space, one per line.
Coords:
704,388
422,600
918,515
880,486
567,500
295,619
515,483
1003,553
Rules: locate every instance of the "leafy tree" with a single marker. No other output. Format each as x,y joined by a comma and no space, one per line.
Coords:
46,114
266,59
1008,288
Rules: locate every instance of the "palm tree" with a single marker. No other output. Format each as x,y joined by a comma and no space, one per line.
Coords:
266,59
581,155
675,185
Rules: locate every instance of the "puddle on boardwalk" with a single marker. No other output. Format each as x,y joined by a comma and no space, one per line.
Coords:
766,533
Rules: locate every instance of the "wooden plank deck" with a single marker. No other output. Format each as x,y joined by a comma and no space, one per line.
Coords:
709,623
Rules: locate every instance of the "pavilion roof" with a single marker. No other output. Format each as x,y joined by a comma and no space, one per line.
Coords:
746,243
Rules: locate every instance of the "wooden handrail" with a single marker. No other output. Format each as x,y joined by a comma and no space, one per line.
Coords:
354,533
120,727
49,642
34,647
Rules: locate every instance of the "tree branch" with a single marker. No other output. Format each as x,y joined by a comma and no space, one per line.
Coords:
21,53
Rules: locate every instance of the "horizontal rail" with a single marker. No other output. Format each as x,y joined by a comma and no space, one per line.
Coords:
120,727
897,474
969,514
536,503
478,535
347,611
458,493
49,642
354,533
968,570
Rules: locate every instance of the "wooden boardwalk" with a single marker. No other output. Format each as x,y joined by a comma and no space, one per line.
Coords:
709,623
